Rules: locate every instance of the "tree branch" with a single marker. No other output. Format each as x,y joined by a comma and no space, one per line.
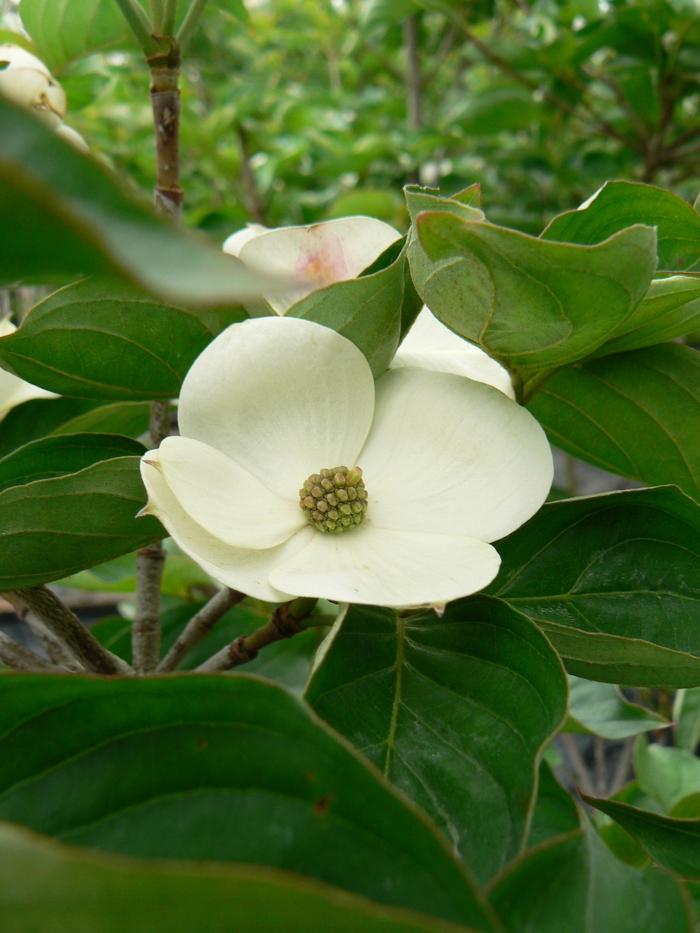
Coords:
189,23
200,625
287,621
68,628
19,658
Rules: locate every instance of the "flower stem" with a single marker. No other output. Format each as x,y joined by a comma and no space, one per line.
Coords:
287,620
169,17
138,23
67,627
200,625
189,23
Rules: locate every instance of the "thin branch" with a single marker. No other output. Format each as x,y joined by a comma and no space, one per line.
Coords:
138,23
414,96
578,767
287,621
68,628
506,68
19,658
56,651
157,10
199,626
146,631
624,762
189,23
254,204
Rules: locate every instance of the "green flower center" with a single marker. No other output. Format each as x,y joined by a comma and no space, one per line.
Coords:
334,500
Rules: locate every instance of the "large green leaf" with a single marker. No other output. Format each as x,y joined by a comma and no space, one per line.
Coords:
418,694
47,886
100,339
56,456
41,417
216,768
368,309
672,843
555,811
601,709
52,527
63,30
531,303
575,883
670,309
637,414
619,204
614,582
69,215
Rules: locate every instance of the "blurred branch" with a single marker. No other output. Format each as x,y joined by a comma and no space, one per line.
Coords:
414,96
19,658
199,626
67,627
190,22
286,622
254,205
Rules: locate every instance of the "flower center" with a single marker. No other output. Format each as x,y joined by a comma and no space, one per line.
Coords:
334,500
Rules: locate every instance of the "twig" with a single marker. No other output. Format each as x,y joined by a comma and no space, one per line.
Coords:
16,656
55,650
146,632
68,628
200,625
250,186
414,102
578,767
599,759
286,622
623,766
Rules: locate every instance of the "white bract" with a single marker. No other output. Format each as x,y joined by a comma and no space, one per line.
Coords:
449,465
26,81
13,390
313,256
431,345
337,250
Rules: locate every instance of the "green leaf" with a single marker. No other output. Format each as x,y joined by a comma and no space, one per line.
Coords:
527,301
636,414
555,811
41,417
70,216
52,527
614,582
216,768
672,843
600,709
366,310
63,31
417,694
667,775
670,309
575,883
101,339
619,204
56,456
686,713
48,886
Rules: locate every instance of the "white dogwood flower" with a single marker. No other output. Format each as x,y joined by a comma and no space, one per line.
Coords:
341,249
25,80
293,477
314,256
13,390
431,345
